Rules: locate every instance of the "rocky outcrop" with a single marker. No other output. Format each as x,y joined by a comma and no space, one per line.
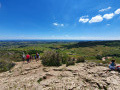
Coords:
82,76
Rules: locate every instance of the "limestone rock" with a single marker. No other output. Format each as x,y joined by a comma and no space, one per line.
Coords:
81,76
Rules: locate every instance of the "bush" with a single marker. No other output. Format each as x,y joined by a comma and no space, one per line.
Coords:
51,58
70,61
80,59
11,55
99,57
5,65
64,58
34,51
105,62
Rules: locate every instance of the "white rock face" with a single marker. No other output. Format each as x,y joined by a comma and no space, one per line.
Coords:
82,76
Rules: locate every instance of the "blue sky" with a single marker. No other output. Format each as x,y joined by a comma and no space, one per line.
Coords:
60,19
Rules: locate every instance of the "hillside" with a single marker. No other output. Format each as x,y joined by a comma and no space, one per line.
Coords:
82,76
13,50
110,43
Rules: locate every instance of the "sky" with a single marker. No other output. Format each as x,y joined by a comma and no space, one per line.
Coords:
60,19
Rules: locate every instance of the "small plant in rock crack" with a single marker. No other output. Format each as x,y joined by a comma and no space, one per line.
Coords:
40,79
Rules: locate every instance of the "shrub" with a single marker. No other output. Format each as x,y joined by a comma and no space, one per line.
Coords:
11,55
105,62
99,57
80,59
34,51
64,58
5,65
51,58
69,62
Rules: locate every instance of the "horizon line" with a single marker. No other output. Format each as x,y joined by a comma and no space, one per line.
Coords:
64,39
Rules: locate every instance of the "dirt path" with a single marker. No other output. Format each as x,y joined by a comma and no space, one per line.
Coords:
83,76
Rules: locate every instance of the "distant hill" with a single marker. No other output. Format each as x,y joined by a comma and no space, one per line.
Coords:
94,43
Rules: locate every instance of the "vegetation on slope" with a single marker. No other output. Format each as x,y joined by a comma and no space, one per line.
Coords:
5,65
89,50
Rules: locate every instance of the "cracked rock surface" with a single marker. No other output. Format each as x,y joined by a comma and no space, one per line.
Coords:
82,76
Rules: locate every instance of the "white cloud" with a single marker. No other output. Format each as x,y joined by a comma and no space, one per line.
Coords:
108,24
62,25
105,9
95,19
57,24
99,18
117,11
84,19
108,16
